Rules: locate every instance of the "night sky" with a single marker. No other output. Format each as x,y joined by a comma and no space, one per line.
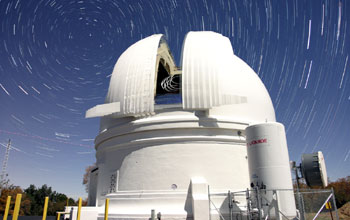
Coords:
56,58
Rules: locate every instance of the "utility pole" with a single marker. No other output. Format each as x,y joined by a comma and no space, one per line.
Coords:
4,164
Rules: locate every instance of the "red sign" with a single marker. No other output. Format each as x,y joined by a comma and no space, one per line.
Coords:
260,141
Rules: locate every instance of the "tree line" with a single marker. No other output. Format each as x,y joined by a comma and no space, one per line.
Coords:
33,199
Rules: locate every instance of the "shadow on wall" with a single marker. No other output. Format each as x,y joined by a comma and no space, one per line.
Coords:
204,121
188,203
225,211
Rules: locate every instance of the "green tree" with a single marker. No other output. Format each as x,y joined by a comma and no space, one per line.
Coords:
57,201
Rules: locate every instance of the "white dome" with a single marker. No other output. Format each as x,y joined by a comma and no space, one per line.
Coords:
164,126
212,79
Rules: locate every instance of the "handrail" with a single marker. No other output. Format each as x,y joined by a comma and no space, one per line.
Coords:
319,211
217,210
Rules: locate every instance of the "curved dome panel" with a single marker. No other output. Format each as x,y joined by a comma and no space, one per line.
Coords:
242,81
214,78
132,81
206,59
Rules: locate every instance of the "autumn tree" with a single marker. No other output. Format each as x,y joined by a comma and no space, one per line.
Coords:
86,176
341,189
13,191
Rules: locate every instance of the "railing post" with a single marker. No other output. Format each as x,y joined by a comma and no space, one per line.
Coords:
7,207
45,207
248,204
209,202
230,204
106,209
58,215
17,206
257,195
79,208
335,204
300,204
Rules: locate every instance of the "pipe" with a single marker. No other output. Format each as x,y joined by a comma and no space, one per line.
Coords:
106,209
79,209
17,206
45,207
7,207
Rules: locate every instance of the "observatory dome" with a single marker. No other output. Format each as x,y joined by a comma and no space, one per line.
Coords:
210,78
166,128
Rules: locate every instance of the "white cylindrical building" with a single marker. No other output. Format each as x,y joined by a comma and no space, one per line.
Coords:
269,167
168,132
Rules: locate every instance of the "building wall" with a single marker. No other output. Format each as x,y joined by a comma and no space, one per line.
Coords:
159,155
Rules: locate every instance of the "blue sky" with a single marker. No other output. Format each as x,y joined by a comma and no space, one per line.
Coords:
56,58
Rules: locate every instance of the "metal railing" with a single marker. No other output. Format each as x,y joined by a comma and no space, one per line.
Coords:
311,204
261,204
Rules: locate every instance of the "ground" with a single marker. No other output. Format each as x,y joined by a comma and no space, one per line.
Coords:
344,212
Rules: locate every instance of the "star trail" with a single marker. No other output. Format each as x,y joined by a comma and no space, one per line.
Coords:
56,58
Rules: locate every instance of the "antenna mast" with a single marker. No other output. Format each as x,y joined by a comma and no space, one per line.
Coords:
6,158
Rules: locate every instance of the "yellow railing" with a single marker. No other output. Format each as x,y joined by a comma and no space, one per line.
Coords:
45,207
17,207
7,207
106,209
46,204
